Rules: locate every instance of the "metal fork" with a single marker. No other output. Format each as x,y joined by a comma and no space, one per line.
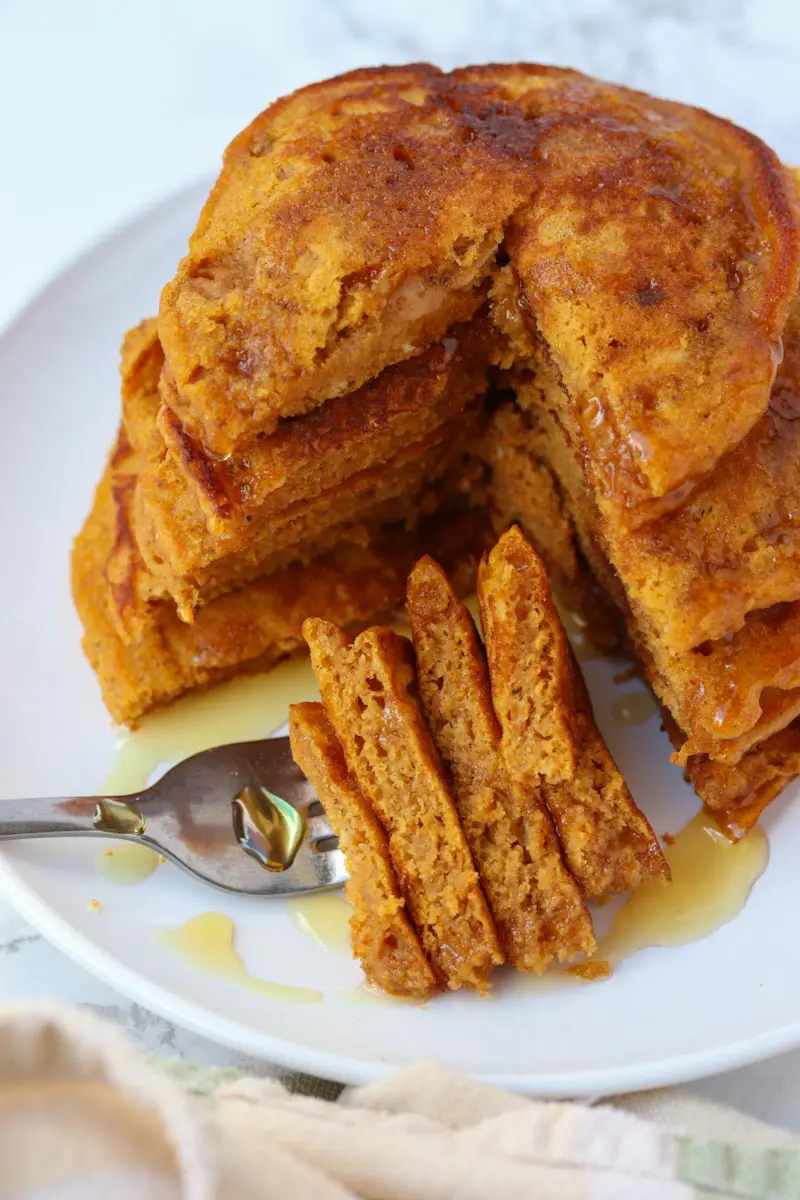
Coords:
241,817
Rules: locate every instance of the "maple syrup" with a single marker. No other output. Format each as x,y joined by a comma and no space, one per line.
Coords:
207,942
127,863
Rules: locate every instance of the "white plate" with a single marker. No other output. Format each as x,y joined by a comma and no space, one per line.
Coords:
665,1015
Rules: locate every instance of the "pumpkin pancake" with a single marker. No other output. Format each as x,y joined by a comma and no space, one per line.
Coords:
368,689
550,741
383,937
658,257
250,629
536,904
353,224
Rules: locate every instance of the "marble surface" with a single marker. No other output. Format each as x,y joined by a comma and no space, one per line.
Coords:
106,107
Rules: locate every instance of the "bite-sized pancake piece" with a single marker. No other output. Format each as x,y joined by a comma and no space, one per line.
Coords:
354,222
368,689
307,455
383,938
537,906
190,565
658,256
251,629
533,688
608,844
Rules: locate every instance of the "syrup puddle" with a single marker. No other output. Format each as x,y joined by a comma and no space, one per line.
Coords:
325,917
240,711
207,942
634,708
127,863
711,880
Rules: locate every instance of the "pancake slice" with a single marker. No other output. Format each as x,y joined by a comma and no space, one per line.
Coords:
367,687
608,844
383,938
536,904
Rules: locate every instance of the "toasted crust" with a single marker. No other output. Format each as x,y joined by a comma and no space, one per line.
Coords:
536,904
383,938
608,844
367,690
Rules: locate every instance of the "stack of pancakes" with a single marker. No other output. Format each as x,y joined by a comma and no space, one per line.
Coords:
417,300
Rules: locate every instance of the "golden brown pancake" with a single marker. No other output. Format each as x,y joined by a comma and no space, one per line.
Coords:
355,221
550,742
726,694
236,496
536,904
657,257
250,629
368,690
352,225
183,558
734,545
383,937
524,490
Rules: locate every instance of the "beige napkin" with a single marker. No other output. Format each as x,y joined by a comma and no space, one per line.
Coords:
83,1115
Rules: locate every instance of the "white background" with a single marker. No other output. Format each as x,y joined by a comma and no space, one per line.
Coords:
107,106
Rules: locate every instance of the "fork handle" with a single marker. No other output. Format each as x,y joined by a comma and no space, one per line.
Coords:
58,815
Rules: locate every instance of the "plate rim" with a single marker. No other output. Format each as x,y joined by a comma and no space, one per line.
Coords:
665,1072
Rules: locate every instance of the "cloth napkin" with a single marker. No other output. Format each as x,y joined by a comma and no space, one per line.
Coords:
83,1115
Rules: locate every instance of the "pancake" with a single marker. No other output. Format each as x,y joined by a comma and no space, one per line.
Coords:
182,557
734,545
536,904
726,694
353,224
550,742
525,491
658,257
384,940
309,454
236,496
251,629
368,687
